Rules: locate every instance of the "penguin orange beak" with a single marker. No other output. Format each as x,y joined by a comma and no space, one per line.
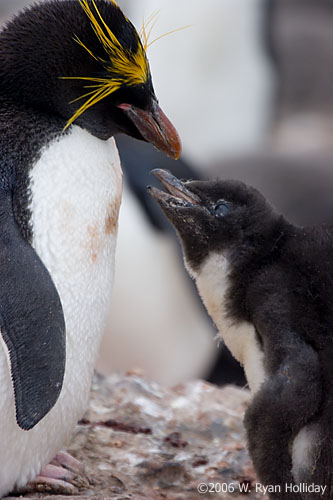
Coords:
155,128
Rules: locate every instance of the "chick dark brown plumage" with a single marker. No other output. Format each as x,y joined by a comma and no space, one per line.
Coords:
268,285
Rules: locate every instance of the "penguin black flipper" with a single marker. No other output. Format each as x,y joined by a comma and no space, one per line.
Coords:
32,323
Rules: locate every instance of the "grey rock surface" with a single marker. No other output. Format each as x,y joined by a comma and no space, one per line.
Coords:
139,441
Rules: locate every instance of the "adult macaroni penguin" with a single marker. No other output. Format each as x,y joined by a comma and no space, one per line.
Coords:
73,73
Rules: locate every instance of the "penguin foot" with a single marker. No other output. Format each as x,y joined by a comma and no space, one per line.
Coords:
43,484
66,461
64,475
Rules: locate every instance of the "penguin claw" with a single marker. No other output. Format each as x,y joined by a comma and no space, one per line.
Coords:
52,471
44,484
66,460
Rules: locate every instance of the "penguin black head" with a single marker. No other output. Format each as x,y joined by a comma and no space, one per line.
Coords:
84,62
226,217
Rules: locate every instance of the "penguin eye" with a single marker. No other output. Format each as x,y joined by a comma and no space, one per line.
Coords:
221,209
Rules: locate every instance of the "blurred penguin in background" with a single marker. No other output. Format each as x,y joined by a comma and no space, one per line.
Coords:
213,76
294,169
300,41
218,94
156,322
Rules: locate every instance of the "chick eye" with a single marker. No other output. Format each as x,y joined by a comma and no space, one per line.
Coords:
221,209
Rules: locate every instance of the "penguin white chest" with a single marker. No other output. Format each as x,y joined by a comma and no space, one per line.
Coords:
75,199
239,336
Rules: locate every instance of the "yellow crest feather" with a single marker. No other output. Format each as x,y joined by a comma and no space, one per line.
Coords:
149,25
124,66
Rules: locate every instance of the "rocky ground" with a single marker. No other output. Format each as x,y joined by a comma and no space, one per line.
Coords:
139,441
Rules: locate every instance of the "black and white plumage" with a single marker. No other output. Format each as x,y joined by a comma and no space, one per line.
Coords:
60,191
268,286
298,32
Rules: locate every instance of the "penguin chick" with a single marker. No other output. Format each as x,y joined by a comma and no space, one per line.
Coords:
268,285
73,73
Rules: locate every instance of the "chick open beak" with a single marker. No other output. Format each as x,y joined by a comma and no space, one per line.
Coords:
155,128
177,196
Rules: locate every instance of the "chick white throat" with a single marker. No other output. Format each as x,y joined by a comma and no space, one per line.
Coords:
213,284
